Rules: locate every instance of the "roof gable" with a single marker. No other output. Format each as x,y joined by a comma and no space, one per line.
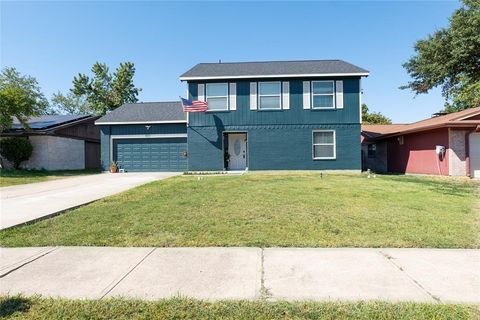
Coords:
266,69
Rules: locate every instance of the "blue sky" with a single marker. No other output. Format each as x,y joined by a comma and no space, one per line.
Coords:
54,41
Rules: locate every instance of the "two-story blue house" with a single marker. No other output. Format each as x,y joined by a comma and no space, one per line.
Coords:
279,115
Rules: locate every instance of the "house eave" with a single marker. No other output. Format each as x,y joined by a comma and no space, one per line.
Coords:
462,124
356,74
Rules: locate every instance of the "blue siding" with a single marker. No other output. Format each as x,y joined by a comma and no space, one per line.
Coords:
132,129
273,147
205,149
295,115
281,139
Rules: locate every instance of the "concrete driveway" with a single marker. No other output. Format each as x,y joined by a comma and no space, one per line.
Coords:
28,202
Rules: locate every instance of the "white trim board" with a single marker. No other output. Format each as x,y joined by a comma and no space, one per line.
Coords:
360,74
139,122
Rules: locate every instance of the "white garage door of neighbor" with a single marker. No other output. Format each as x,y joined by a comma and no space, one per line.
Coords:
475,155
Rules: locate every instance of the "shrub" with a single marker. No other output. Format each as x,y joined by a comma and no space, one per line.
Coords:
16,150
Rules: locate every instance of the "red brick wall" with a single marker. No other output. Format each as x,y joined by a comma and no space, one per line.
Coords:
417,154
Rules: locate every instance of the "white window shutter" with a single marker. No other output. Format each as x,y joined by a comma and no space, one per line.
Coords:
339,94
286,95
253,96
201,92
306,94
233,96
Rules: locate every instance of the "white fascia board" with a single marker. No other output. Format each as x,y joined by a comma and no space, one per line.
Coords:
139,122
359,74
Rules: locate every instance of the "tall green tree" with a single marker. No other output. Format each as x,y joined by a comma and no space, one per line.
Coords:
105,91
373,117
69,104
450,58
20,97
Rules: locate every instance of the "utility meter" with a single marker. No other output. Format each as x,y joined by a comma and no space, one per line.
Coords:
440,151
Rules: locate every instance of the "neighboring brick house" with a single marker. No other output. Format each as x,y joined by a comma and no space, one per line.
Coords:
276,115
60,142
415,148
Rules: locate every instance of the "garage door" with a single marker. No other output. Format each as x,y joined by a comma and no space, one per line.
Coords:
475,155
150,154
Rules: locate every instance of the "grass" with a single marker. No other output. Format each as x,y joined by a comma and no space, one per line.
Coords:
17,307
10,177
271,210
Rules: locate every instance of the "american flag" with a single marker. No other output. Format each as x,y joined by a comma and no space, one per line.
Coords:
193,106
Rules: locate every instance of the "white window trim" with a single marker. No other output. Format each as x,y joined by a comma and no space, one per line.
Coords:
226,96
279,95
324,144
322,94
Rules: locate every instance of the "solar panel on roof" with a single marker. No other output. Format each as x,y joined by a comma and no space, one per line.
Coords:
47,121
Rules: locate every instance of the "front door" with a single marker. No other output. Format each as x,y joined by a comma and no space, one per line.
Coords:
237,150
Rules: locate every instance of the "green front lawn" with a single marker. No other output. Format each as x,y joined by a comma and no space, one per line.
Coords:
296,209
37,308
10,177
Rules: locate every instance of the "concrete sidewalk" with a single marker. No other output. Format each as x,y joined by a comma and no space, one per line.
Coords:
428,275
28,202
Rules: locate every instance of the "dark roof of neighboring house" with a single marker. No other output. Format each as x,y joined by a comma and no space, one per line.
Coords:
456,119
261,69
377,130
145,112
48,121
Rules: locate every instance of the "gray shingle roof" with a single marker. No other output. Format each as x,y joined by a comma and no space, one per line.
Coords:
272,69
145,112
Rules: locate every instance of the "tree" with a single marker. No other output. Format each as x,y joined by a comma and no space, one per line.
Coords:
450,58
105,91
374,117
69,104
20,97
16,150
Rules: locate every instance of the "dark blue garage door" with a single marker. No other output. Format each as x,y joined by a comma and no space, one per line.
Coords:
150,154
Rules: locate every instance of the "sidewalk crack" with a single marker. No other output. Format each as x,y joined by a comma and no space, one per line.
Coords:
28,262
126,274
389,259
264,292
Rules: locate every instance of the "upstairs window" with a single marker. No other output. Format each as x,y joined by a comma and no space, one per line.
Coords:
324,144
323,95
217,96
269,96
